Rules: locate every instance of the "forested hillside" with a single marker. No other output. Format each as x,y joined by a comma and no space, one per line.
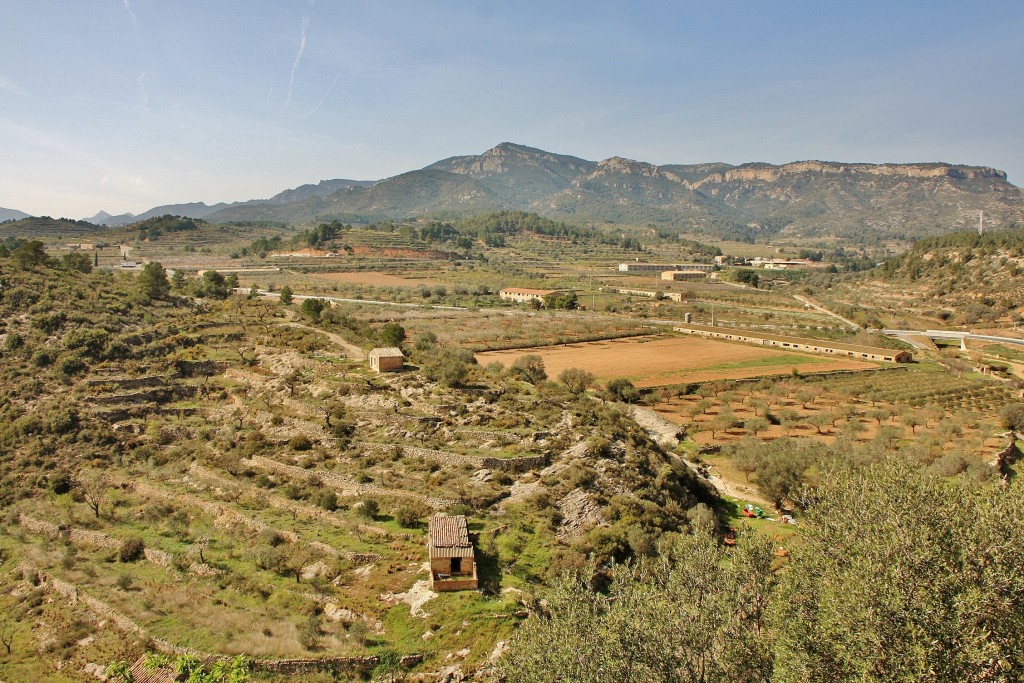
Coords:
975,278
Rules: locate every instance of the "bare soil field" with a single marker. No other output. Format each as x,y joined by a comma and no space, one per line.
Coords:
372,278
657,361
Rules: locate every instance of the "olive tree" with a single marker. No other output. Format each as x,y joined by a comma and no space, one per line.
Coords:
689,615
902,576
576,380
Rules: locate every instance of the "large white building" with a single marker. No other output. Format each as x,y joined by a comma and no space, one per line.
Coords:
662,267
522,295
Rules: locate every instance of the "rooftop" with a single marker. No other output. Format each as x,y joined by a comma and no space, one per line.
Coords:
387,352
820,343
525,290
449,537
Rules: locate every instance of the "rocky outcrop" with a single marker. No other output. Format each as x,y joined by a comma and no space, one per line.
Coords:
769,173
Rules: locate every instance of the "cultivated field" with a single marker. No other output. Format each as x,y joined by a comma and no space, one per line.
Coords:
372,278
657,361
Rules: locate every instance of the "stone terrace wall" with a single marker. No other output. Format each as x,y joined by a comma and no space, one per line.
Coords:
522,464
344,485
94,539
282,666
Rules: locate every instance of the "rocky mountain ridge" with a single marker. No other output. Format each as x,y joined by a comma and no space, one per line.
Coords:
754,201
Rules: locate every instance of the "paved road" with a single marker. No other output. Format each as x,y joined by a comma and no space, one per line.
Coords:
951,334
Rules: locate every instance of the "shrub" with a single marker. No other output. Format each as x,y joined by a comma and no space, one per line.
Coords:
60,483
409,515
132,549
368,509
622,390
309,632
300,443
529,368
42,358
71,365
328,500
13,342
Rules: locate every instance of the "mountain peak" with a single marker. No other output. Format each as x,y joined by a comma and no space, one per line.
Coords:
623,165
507,149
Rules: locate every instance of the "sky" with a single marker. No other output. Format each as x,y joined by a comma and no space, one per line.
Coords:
123,105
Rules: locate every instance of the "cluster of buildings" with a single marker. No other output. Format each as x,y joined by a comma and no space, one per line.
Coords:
779,264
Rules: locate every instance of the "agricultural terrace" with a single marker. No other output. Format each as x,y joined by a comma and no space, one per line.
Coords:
946,421
652,361
479,330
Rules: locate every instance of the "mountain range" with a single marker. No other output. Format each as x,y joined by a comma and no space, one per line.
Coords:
751,201
202,210
859,202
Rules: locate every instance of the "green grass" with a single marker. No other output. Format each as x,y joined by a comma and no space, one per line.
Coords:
770,362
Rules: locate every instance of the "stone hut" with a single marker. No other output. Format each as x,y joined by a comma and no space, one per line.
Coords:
452,562
386,359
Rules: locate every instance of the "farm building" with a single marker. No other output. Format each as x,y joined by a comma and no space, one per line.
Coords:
522,295
662,267
452,563
672,296
386,359
800,344
677,275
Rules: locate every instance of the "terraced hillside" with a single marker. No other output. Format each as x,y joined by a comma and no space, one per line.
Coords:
217,478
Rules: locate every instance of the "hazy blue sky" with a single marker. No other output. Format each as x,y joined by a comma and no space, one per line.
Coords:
126,104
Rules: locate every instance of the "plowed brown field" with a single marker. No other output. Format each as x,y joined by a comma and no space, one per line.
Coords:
657,361
374,278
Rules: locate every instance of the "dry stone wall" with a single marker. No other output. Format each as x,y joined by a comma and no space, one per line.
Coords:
522,464
296,666
344,485
93,539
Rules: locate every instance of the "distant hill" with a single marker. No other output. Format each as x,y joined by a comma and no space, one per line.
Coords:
46,227
12,214
190,210
976,278
202,210
324,188
857,202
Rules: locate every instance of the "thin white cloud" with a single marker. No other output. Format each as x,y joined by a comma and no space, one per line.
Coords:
324,98
298,58
131,13
143,93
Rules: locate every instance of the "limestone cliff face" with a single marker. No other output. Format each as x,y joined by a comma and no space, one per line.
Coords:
620,165
769,173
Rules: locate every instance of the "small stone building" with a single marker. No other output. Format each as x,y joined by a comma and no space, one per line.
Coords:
452,562
386,359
